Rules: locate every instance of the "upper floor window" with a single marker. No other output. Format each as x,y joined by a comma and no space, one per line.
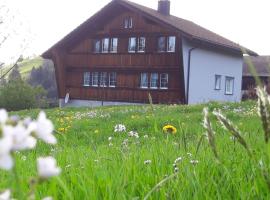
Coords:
86,79
96,46
164,80
112,79
229,84
171,44
128,22
132,45
114,44
217,82
154,81
105,45
161,44
144,80
141,44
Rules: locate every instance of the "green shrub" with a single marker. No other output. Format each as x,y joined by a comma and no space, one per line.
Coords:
18,95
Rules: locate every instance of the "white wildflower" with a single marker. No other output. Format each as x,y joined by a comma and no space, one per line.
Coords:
5,195
145,136
176,170
194,162
109,139
47,198
177,160
147,162
47,167
133,134
189,154
110,144
43,129
6,161
3,116
119,128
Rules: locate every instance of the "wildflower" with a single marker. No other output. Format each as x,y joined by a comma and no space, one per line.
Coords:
145,136
189,154
47,198
194,162
119,128
47,167
110,144
61,129
96,131
169,129
176,170
109,139
3,116
133,134
5,195
6,161
177,160
147,162
43,129
23,158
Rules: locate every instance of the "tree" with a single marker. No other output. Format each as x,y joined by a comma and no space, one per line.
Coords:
15,74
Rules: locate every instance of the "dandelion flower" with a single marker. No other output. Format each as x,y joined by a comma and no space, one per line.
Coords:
169,129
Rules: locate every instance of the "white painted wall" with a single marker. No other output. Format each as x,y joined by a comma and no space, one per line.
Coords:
205,64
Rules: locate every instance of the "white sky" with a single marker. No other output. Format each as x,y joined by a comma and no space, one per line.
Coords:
246,22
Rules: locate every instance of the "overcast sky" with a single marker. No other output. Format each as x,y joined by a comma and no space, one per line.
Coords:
47,21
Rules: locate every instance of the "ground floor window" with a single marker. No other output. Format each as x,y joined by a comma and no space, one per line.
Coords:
217,82
164,80
157,80
112,79
229,85
86,79
103,79
99,79
144,80
154,81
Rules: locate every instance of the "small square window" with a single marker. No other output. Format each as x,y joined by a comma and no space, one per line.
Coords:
128,23
217,82
229,85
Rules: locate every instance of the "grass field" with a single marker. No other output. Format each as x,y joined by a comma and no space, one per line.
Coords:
95,168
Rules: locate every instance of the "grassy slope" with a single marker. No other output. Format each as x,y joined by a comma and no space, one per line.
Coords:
94,170
26,65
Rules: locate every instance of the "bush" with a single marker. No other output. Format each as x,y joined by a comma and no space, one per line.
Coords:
18,95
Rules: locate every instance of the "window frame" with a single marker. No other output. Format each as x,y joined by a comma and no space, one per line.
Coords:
164,47
103,45
95,46
168,44
110,79
229,78
84,79
113,48
167,81
95,78
139,45
129,45
217,77
147,80
102,79
128,23
156,81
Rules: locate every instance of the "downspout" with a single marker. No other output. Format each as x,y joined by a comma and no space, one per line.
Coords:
188,75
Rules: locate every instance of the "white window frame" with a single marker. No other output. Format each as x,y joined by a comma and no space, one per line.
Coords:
169,42
86,79
142,81
97,43
112,79
130,22
134,39
229,80
95,79
163,49
105,45
103,79
217,82
141,44
113,45
154,80
162,79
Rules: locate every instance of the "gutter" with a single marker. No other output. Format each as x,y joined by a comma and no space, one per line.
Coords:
188,75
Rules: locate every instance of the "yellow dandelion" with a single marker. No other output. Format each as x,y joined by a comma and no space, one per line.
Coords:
169,129
61,129
96,131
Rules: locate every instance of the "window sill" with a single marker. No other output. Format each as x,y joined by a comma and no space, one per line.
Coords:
229,94
163,88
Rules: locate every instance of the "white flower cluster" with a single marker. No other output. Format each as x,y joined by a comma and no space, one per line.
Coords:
133,134
17,135
119,128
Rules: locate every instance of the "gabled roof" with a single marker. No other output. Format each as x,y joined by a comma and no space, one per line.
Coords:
261,64
187,28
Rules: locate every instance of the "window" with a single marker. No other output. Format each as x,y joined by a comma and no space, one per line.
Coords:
114,44
141,44
96,46
164,79
154,80
161,44
86,79
105,45
95,79
144,80
103,79
229,84
132,45
112,79
171,44
128,23
217,82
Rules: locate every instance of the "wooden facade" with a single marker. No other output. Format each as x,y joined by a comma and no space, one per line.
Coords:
72,62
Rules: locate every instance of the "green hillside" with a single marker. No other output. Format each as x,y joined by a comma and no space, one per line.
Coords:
26,65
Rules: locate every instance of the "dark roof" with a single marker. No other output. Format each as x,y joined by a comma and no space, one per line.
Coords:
187,28
261,64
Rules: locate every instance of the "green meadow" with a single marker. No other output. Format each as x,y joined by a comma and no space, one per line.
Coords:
98,163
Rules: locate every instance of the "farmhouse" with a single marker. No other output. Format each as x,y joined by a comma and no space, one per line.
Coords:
127,51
